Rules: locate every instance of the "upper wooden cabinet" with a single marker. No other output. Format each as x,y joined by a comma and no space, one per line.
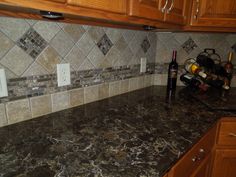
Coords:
177,12
117,6
149,9
172,11
213,13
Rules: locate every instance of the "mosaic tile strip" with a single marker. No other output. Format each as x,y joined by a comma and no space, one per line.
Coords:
31,86
32,43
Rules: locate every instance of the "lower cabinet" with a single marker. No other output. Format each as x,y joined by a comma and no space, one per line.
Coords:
204,168
224,163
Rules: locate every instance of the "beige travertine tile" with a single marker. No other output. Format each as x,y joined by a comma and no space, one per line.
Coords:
96,33
6,44
121,44
13,27
75,57
114,35
86,43
124,86
16,60
96,57
47,29
75,31
18,111
114,88
76,97
140,82
128,35
133,84
91,94
103,91
49,58
60,101
148,80
41,105
9,74
3,117
86,65
112,56
160,79
35,70
62,43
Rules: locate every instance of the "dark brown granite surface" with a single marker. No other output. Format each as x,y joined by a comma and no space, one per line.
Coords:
132,135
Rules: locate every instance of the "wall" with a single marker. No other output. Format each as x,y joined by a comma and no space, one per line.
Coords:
189,45
104,62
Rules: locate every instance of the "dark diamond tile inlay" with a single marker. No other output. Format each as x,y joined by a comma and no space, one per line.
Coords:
32,43
189,45
145,45
104,44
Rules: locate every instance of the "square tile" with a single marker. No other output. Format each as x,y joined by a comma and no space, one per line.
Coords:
128,35
189,45
60,101
96,33
9,74
62,43
91,94
76,97
96,57
14,28
103,91
124,86
3,117
32,43
41,105
18,111
86,43
121,44
75,57
74,31
49,58
35,70
47,29
6,44
145,45
16,60
86,65
114,34
104,44
114,88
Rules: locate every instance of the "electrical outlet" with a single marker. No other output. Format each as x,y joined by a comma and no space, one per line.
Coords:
63,74
143,65
3,84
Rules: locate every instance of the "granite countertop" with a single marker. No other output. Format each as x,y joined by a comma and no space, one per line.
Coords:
135,134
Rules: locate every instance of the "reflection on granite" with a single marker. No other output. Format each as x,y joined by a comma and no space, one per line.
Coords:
135,134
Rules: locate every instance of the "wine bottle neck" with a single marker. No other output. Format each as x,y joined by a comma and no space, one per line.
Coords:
174,56
230,57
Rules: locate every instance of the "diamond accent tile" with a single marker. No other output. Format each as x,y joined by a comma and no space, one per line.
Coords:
104,44
145,45
189,45
32,43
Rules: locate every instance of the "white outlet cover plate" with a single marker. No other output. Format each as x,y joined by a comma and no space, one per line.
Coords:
63,74
3,84
143,65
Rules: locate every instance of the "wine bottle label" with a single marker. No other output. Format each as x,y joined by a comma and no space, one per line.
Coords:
202,74
229,70
173,73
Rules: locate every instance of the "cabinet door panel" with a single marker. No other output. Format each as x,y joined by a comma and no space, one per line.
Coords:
203,170
176,12
118,6
221,13
225,163
150,9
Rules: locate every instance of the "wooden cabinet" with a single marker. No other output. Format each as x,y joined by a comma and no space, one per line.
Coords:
117,6
177,12
149,9
171,11
225,163
197,161
214,13
225,154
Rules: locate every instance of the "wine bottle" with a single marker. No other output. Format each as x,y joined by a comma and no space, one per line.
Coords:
172,72
193,68
229,67
190,80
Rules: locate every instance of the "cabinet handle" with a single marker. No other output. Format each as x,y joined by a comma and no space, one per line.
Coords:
201,154
194,159
164,7
232,135
171,7
197,9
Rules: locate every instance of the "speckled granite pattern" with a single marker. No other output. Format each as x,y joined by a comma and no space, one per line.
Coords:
132,135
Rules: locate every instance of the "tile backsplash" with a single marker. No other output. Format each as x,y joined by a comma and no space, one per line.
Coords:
104,62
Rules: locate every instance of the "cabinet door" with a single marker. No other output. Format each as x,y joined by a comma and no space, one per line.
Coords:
176,11
215,13
224,163
150,9
203,169
117,6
